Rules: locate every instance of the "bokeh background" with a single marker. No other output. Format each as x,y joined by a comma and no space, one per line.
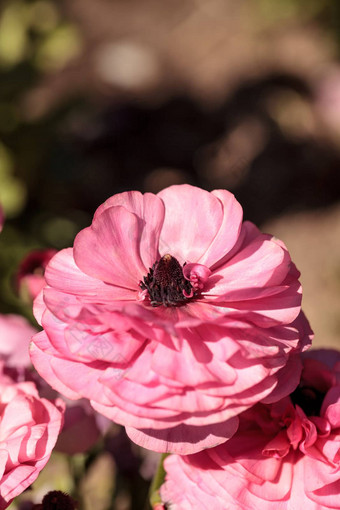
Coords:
101,96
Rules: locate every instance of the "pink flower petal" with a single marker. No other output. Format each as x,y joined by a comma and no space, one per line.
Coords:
263,263
63,274
15,335
109,248
150,209
186,240
226,237
41,353
182,438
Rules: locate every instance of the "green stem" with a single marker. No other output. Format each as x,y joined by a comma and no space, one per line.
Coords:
158,479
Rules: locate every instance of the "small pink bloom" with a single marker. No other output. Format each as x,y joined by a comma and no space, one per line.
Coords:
30,276
171,316
284,455
29,427
15,335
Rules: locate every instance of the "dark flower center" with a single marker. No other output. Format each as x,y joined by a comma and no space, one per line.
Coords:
165,283
309,399
57,500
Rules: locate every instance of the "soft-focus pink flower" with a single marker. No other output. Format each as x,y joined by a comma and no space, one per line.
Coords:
83,427
327,98
29,427
285,455
15,335
172,316
30,275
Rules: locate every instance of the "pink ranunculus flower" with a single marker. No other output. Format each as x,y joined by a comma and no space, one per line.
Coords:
285,455
15,335
172,316
29,427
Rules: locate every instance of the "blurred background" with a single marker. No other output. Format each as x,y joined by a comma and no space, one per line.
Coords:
97,97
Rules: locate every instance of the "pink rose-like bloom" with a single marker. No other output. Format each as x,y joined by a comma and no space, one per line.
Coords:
285,455
172,316
15,335
29,427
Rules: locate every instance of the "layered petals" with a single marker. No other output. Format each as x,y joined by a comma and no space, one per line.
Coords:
170,315
284,455
28,432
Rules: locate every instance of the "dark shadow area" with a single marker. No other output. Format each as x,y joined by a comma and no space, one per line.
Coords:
119,148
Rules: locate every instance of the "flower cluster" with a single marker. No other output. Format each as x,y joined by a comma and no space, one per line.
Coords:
284,455
176,319
172,317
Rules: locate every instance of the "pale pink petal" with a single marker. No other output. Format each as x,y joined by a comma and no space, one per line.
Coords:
229,231
186,240
109,248
182,438
327,497
41,353
150,209
282,308
15,335
173,365
263,263
84,380
39,306
89,344
63,274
